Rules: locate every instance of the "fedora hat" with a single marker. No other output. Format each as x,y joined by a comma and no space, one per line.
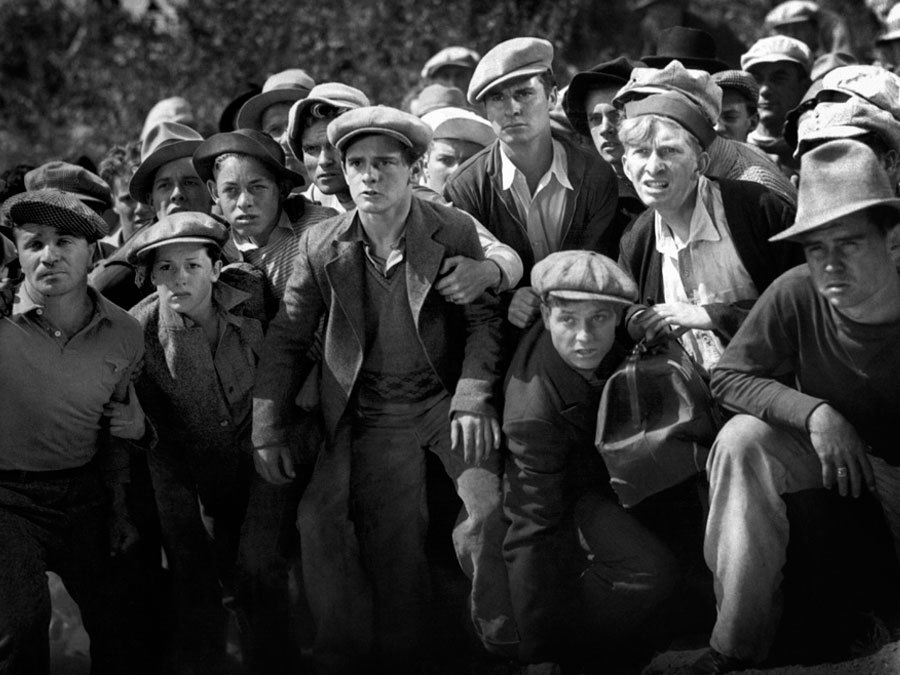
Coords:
228,118
340,96
694,48
164,142
827,191
285,87
250,142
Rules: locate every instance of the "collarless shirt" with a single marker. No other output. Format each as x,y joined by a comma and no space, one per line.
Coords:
54,388
705,269
542,213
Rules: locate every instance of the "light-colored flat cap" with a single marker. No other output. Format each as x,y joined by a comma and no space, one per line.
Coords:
512,59
582,275
380,119
777,48
460,124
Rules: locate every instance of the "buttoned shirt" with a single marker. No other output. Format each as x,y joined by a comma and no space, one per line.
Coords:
705,269
542,212
53,388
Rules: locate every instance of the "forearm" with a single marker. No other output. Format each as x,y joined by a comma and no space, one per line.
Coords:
501,255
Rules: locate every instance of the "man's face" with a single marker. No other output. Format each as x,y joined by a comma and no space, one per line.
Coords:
453,76
444,158
377,173
663,170
124,204
735,122
321,159
248,196
603,121
54,263
274,122
781,86
582,331
184,275
849,261
520,112
177,187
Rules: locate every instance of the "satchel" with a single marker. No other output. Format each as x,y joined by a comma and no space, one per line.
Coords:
656,421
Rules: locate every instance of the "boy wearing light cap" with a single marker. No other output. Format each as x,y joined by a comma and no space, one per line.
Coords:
557,491
403,370
536,193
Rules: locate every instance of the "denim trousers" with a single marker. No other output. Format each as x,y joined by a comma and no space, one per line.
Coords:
751,466
58,523
363,523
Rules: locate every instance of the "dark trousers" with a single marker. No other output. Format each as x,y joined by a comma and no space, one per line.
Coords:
57,522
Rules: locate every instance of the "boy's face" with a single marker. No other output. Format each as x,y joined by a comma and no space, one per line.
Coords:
735,122
582,331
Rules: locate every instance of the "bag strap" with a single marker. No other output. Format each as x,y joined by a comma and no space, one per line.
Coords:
631,379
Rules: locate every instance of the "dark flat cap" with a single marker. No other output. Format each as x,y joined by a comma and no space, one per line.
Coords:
84,184
185,227
380,119
54,208
250,142
678,107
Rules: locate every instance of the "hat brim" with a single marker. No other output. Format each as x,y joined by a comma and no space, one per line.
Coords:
250,114
503,79
709,65
465,130
775,58
295,120
228,118
888,36
138,256
141,185
576,97
585,295
819,221
220,144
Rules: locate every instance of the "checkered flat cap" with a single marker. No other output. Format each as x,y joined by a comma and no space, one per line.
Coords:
55,208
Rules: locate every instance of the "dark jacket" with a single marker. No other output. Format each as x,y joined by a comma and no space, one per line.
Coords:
462,343
754,214
476,188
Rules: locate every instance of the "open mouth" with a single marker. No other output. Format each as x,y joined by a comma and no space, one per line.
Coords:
655,184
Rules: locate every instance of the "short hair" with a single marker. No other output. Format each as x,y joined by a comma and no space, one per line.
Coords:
121,161
409,155
284,186
636,130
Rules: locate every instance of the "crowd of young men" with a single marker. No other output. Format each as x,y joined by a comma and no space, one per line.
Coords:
462,279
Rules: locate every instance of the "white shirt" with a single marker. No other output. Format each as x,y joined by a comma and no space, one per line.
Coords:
705,269
543,212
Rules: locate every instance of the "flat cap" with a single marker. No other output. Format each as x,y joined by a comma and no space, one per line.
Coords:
461,57
519,57
84,184
286,86
696,85
54,208
582,275
777,48
380,119
339,96
792,11
165,142
250,142
185,227
854,118
436,96
460,124
677,107
740,81
875,84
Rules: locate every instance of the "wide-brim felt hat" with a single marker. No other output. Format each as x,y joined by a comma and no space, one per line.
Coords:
694,48
228,118
410,130
284,87
184,227
249,142
609,74
840,178
164,143
54,208
336,94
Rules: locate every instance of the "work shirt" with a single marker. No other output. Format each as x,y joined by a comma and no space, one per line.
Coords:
54,389
542,212
705,269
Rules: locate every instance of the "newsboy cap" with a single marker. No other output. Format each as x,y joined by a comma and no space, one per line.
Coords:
678,107
165,142
777,48
184,227
86,185
460,124
582,275
256,144
875,84
519,57
740,81
436,96
696,85
840,178
380,119
854,118
461,57
340,96
286,86
792,11
54,208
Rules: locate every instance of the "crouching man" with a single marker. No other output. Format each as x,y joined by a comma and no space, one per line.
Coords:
830,328
579,564
403,370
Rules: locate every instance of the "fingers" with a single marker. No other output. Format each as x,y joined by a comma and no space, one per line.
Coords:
454,433
287,463
868,474
495,431
471,443
828,475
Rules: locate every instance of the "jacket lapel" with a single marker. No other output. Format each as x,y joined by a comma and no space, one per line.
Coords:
423,259
345,274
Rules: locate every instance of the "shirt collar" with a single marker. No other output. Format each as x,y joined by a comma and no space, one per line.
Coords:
243,243
25,303
558,167
703,226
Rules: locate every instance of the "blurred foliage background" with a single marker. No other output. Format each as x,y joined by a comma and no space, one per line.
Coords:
79,75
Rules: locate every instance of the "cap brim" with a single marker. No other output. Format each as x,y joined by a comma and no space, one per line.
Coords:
503,79
342,143
141,185
250,115
822,220
775,58
465,130
137,256
584,295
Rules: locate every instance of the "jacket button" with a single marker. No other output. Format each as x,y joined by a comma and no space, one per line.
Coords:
223,423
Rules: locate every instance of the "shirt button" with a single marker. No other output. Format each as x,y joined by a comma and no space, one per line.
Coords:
57,333
39,312
223,423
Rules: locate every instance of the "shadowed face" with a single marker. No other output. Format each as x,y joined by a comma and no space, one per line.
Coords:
582,331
